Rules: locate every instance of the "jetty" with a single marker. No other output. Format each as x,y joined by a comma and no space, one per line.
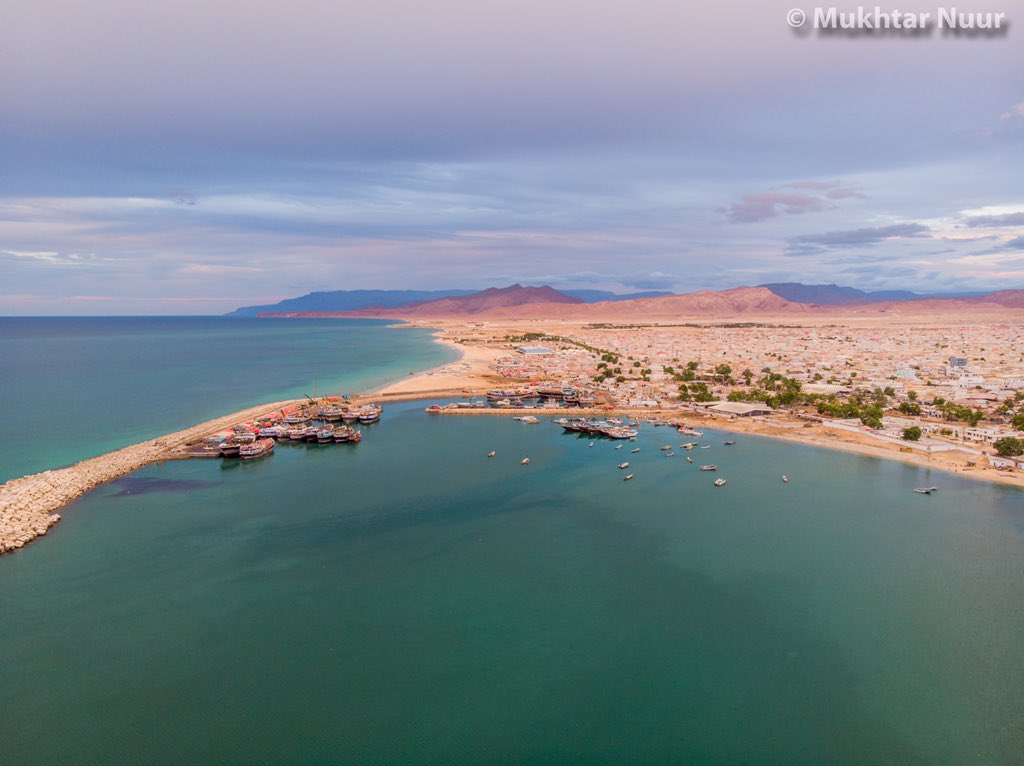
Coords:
29,505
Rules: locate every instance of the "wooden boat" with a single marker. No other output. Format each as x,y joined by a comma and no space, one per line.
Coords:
525,461
229,448
730,442
925,490
711,467
719,482
492,453
627,477
258,448
623,465
634,451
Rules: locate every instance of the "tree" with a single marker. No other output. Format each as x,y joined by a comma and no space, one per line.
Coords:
912,395
1018,421
1009,446
910,408
912,434
723,372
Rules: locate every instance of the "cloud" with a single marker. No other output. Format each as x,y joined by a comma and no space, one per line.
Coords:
1015,244
1003,219
812,244
758,207
1015,112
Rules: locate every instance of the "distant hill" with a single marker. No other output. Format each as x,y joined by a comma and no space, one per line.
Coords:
595,296
493,299
353,300
346,300
837,295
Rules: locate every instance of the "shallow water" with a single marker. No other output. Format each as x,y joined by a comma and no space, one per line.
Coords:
72,388
409,600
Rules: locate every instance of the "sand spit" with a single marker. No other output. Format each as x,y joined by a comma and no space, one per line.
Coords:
29,505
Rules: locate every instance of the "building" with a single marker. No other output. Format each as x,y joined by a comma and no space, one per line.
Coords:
957,361
740,409
534,350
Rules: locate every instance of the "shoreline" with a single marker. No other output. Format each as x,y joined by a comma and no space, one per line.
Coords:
29,505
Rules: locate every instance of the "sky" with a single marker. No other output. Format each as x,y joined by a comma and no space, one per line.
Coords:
190,157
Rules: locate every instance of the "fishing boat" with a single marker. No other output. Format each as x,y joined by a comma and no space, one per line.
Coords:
666,448
229,448
925,490
627,477
623,465
785,479
711,467
719,482
325,436
295,420
688,445
244,437
258,448
730,442
618,446
331,414
670,454
591,444
705,446
689,459
525,461
370,413
492,453
634,451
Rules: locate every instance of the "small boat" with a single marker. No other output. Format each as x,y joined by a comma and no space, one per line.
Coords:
627,477
634,451
925,490
666,448
705,446
719,482
325,436
591,444
670,454
730,442
525,461
689,459
785,479
688,445
229,448
711,467
623,465
618,446
492,453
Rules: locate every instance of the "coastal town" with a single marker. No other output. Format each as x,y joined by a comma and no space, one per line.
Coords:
949,394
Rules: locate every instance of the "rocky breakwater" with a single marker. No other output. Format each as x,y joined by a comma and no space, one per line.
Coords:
29,505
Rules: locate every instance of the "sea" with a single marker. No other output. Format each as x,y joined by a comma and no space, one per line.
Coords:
412,600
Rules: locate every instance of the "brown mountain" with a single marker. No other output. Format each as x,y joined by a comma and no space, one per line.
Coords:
490,301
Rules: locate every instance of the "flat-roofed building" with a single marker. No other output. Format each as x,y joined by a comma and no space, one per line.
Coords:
740,409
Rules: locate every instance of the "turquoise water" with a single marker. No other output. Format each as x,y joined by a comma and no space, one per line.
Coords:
410,600
72,388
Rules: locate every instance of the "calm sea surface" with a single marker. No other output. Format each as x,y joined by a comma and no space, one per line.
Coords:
410,600
72,388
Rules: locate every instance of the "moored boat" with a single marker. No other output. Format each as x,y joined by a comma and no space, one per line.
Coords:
258,448
711,467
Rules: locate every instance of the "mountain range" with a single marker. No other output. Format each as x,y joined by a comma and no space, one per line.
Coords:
353,300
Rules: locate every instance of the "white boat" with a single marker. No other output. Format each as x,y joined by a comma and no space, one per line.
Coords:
492,453
785,479
635,450
591,444
627,477
689,459
618,446
709,467
925,490
666,448
623,465
705,446
525,461
670,454
719,482
730,442
688,445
